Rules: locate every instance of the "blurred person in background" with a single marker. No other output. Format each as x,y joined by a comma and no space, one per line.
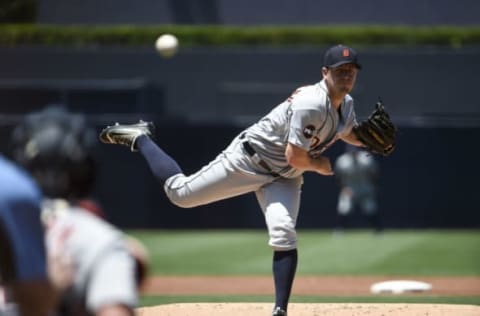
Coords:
23,268
90,261
357,174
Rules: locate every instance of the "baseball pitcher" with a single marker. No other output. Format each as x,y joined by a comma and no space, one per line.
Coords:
269,157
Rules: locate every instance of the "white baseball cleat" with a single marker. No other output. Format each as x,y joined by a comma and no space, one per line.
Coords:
126,134
279,312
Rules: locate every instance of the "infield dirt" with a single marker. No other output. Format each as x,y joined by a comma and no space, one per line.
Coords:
304,285
295,309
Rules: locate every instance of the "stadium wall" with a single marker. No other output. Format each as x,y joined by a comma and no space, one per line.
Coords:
201,98
260,12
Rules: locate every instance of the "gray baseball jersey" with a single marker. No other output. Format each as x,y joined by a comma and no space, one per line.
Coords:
307,120
88,258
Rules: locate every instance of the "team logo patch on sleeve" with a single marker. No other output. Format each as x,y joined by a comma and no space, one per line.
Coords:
308,131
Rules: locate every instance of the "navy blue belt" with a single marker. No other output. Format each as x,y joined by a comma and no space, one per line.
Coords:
252,153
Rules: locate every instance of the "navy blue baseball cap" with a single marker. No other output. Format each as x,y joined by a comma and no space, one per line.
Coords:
340,55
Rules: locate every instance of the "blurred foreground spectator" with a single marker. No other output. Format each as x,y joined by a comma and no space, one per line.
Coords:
90,262
23,271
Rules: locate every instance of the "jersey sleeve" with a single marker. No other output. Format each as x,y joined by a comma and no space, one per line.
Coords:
304,125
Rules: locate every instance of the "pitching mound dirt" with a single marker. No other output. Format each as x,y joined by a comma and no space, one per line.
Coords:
297,309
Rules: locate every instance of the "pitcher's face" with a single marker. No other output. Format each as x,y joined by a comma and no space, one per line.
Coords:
342,78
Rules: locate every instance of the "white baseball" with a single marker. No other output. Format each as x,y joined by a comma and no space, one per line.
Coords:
166,45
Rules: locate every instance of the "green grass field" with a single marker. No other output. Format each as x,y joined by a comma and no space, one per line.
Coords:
359,252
